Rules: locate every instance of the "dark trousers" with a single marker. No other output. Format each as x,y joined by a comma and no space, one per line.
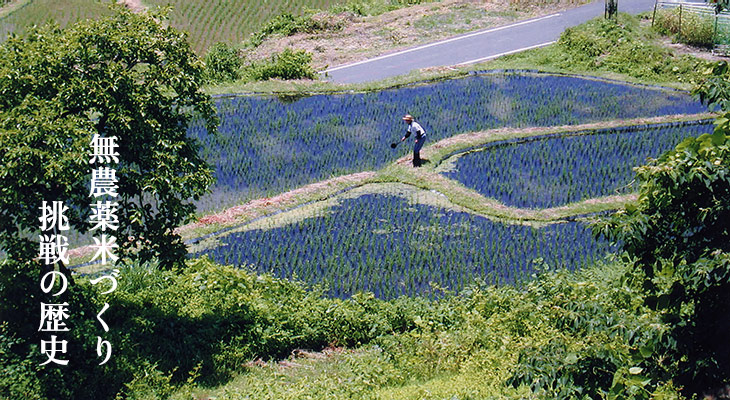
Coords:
417,151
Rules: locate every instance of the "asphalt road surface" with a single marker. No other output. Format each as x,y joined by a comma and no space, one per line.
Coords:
477,46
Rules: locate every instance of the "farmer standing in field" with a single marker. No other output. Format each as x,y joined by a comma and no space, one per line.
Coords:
420,134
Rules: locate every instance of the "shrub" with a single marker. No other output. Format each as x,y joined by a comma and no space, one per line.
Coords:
697,30
288,24
621,46
666,22
222,63
289,64
678,235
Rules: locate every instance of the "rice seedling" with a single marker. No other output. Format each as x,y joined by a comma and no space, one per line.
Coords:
553,171
384,244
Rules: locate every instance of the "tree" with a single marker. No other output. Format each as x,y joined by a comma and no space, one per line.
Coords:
679,235
127,76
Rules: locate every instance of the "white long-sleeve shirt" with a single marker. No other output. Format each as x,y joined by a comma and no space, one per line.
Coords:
415,127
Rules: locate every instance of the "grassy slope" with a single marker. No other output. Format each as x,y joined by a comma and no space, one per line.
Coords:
462,348
232,21
207,21
16,17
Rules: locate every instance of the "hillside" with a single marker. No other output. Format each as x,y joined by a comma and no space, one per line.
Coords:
383,24
530,256
207,21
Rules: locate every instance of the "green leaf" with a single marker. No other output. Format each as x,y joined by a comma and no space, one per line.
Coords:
636,370
718,138
646,351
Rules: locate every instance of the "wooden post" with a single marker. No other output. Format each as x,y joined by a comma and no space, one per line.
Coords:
680,19
653,17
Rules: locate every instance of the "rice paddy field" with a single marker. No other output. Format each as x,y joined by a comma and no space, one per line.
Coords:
38,12
553,171
206,21
394,245
232,21
268,145
430,232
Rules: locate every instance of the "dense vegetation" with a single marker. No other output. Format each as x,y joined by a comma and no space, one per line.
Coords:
627,47
224,63
125,76
554,171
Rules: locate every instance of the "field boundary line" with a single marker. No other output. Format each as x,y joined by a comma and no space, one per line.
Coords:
199,239
461,75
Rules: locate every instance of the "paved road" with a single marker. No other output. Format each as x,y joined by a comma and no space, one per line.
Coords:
478,46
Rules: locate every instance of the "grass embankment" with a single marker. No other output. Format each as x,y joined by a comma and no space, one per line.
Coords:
219,332
561,332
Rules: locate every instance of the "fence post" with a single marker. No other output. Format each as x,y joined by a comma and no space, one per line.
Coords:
680,19
714,34
653,17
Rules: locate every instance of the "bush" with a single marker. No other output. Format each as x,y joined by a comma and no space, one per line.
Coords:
288,24
222,63
677,233
621,46
666,22
289,64
698,30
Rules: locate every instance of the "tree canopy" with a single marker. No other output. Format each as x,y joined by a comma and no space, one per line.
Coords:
128,76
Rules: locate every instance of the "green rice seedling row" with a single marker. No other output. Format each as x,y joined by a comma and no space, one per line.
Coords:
553,171
384,244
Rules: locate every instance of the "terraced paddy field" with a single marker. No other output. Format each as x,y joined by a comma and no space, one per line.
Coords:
206,21
402,241
232,21
520,163
552,171
27,13
269,145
